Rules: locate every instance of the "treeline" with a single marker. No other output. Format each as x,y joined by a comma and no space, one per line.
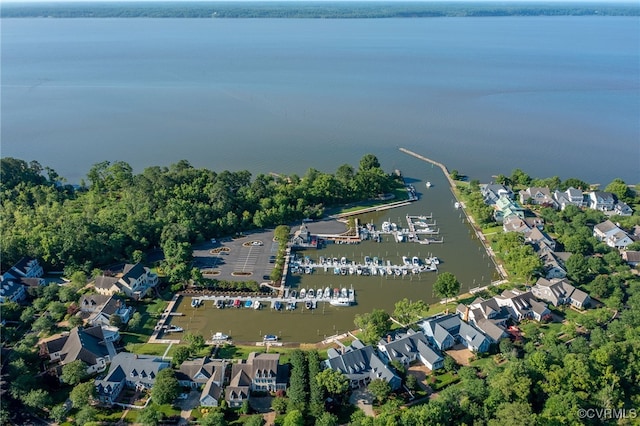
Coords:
116,215
318,10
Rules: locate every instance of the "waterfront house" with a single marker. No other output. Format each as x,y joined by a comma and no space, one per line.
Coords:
560,292
260,372
128,370
409,347
88,345
520,305
600,200
622,209
361,365
491,192
514,223
27,267
98,309
444,331
197,372
134,281
506,207
538,239
570,197
537,196
211,394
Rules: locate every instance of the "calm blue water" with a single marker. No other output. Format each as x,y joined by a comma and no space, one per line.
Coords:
552,96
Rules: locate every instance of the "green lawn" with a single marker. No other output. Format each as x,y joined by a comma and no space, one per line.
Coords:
157,349
443,380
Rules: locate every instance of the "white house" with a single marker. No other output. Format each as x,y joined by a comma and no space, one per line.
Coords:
134,281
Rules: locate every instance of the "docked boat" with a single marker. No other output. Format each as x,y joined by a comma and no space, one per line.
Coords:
319,293
291,306
248,303
310,294
344,292
336,293
270,338
219,336
219,304
367,260
308,304
428,184
327,293
406,260
293,294
415,260
343,260
456,205
195,302
174,329
237,303
257,305
277,306
303,293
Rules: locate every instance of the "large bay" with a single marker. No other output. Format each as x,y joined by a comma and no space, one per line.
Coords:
550,95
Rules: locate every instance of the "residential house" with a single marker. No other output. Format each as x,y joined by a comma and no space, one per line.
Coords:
11,291
98,309
514,223
570,197
520,305
409,347
211,394
260,372
506,207
553,265
444,331
632,258
487,316
197,372
27,267
491,192
622,209
560,292
361,365
131,371
538,238
600,200
537,196
134,281
88,345
612,235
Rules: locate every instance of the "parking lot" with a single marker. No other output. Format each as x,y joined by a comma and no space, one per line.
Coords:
250,257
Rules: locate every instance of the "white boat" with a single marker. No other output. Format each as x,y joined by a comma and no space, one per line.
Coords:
344,292
219,304
270,338
343,260
428,184
310,293
219,336
303,293
327,293
367,260
195,302
456,205
291,306
415,261
308,304
257,305
406,260
319,293
174,329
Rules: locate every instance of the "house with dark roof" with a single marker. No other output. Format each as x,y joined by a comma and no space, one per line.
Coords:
11,291
491,192
361,365
570,197
600,200
211,394
553,265
446,330
88,345
560,292
134,281
487,316
609,233
622,209
409,347
260,372
98,309
521,305
27,267
131,371
303,239
631,257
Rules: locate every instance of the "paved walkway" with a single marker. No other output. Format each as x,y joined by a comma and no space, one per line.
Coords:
364,400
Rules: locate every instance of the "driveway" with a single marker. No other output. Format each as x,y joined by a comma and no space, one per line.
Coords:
363,400
186,405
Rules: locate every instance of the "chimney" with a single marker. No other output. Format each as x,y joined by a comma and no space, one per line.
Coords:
466,314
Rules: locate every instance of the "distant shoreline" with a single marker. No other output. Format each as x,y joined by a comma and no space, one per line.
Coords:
312,9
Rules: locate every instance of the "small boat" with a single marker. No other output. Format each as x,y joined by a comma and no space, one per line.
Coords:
428,184
308,304
343,260
405,260
327,293
291,306
195,302
344,293
344,270
270,338
307,270
277,306
310,293
236,303
219,336
415,261
319,293
336,292
293,294
303,293
248,303
174,329
257,305
456,205
219,304
367,260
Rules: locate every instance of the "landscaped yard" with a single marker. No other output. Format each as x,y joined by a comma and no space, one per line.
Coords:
442,380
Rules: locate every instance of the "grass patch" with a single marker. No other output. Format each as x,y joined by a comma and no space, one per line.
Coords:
157,349
443,380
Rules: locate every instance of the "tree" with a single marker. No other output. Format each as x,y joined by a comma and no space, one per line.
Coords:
333,381
450,364
577,268
621,190
380,389
327,419
406,311
149,416
196,341
181,355
373,325
294,418
446,285
411,382
86,415
368,162
214,418
82,394
166,387
245,408
279,404
116,321
74,372
135,321
58,413
255,420
43,324
36,399
454,174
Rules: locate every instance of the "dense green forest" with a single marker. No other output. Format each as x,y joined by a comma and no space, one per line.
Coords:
118,214
314,9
